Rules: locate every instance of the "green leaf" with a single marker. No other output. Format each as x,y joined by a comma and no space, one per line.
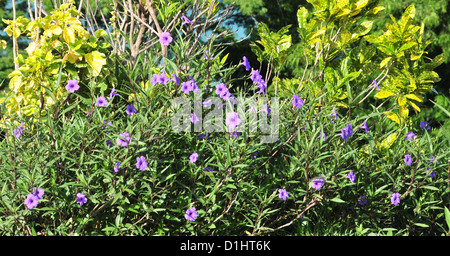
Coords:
407,46
302,17
447,216
337,200
100,33
430,187
422,225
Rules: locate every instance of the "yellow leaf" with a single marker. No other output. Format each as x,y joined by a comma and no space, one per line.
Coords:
391,115
96,60
56,30
413,97
3,44
401,100
14,83
69,35
387,143
385,62
72,57
404,112
412,104
383,93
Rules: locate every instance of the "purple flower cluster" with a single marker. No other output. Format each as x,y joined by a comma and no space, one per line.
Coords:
257,78
395,198
33,198
232,121
346,132
189,86
141,163
222,91
296,101
19,130
159,79
351,176
424,125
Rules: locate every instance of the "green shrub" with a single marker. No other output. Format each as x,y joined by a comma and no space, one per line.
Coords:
123,169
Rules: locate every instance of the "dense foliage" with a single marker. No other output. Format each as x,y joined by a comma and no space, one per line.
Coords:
140,143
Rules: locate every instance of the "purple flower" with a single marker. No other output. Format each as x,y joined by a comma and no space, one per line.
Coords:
101,102
191,214
207,56
424,125
186,87
432,174
261,85
203,136
131,110
296,101
193,84
375,84
410,136
194,119
317,183
186,20
163,79
124,139
351,176
408,159
72,86
362,200
81,199
347,132
283,194
117,167
207,103
109,143
266,109
39,193
246,63
235,134
19,130
141,163
113,93
232,121
104,121
433,158
31,201
395,198
193,157
207,169
255,76
165,38
175,79
254,155
365,127
334,114
221,89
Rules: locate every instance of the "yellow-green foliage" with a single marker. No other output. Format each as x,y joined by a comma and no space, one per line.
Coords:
61,49
409,77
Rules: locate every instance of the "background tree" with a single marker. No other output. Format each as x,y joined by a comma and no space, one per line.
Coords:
277,14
